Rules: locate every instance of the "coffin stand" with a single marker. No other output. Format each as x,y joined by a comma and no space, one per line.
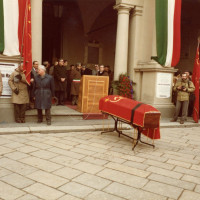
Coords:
143,117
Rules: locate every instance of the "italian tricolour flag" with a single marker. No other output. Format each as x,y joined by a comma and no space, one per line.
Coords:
15,31
168,32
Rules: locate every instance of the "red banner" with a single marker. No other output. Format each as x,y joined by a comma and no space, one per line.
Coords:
25,40
195,80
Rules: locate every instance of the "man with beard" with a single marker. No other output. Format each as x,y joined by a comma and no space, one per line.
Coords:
183,87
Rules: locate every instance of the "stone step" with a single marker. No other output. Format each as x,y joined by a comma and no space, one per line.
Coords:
58,114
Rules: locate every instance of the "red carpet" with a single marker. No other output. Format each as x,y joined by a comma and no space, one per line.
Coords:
87,116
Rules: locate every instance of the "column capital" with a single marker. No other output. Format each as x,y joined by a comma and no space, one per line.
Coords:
123,8
137,11
130,2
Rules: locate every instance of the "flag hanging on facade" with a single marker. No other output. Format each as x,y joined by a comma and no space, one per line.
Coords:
25,43
168,32
195,80
15,31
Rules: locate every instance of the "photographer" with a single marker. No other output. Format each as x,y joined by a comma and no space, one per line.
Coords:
20,97
183,87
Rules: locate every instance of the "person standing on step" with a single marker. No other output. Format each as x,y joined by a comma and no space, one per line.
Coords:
43,91
183,87
75,76
60,78
20,96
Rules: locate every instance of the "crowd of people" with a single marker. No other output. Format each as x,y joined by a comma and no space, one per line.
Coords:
58,83
61,83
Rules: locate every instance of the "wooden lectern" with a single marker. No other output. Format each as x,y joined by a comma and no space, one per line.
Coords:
92,89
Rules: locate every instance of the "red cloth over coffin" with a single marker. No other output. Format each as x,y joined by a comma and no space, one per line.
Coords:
146,117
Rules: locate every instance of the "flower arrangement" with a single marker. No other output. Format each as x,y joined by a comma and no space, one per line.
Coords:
124,86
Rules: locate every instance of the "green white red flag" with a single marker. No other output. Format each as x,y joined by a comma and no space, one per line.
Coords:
195,80
15,31
168,32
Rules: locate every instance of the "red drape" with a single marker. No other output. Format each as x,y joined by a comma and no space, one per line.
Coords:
24,32
195,79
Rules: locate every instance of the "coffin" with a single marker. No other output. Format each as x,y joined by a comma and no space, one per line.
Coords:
137,114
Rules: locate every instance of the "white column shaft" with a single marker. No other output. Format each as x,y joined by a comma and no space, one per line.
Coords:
121,51
134,40
36,18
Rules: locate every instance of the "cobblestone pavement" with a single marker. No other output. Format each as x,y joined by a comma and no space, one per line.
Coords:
91,166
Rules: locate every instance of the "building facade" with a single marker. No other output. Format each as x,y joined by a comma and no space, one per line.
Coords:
119,33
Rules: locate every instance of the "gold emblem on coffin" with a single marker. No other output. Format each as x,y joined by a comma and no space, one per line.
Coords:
116,99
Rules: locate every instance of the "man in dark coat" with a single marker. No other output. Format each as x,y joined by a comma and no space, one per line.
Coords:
111,76
75,76
102,71
60,78
85,71
43,91
34,73
69,82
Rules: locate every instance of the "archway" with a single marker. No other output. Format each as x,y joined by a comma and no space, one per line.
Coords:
69,26
190,30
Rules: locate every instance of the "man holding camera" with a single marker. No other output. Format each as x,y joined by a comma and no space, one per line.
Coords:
183,87
20,97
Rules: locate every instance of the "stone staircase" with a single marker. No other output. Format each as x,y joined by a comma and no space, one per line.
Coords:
58,114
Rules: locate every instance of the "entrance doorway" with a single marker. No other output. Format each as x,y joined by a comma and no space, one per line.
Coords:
190,31
79,31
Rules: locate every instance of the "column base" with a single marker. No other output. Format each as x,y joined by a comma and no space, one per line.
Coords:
167,110
156,87
6,111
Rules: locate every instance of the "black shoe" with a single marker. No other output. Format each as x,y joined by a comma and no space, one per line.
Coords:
173,120
48,123
22,120
39,121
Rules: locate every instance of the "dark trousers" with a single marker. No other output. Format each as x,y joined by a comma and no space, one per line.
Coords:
69,92
47,113
184,109
19,111
60,95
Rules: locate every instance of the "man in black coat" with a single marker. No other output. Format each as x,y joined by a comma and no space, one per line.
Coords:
60,77
43,91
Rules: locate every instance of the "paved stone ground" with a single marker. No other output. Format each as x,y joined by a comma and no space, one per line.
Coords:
91,166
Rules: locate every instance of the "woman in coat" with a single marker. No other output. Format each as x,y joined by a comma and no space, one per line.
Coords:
20,97
1,84
43,91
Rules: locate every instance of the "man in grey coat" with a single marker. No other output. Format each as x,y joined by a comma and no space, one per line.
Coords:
43,91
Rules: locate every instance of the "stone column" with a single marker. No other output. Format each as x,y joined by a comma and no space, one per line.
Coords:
135,47
134,39
121,52
36,18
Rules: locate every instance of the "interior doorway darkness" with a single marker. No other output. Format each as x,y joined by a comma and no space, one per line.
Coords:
51,29
55,13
